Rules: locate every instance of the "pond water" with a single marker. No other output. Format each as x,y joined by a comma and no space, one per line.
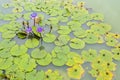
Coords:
111,11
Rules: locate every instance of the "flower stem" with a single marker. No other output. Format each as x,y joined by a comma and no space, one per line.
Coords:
34,22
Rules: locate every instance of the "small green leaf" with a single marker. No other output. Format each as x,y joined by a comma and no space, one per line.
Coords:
31,43
76,43
49,37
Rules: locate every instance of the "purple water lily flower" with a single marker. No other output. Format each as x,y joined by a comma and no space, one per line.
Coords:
29,30
39,29
33,15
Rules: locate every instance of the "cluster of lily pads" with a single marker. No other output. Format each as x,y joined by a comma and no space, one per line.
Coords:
66,25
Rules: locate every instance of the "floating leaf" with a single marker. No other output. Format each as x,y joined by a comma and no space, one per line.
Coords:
60,60
17,9
25,63
64,30
74,58
8,35
75,72
106,55
76,43
31,43
5,63
116,53
91,39
34,75
21,35
52,75
80,33
62,40
110,41
97,16
74,25
38,54
45,60
89,55
49,37
18,50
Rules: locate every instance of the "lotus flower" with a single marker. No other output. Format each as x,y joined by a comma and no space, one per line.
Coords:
39,29
29,30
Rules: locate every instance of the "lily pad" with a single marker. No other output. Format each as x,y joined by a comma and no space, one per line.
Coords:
17,9
38,54
31,43
18,50
89,55
116,53
34,75
45,60
5,63
75,72
52,75
97,16
91,39
62,40
49,37
74,25
76,43
80,33
64,30
105,55
110,41
25,63
74,58
22,35
60,60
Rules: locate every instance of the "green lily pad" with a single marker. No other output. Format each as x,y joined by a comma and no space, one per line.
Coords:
17,9
75,72
45,60
110,41
64,30
38,54
49,37
91,39
18,50
6,5
74,58
62,40
74,25
97,16
105,55
31,43
76,43
5,63
34,75
59,60
34,28
26,16
116,53
98,29
109,65
25,63
22,35
89,55
91,23
80,33
8,35
106,27
62,49
52,75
